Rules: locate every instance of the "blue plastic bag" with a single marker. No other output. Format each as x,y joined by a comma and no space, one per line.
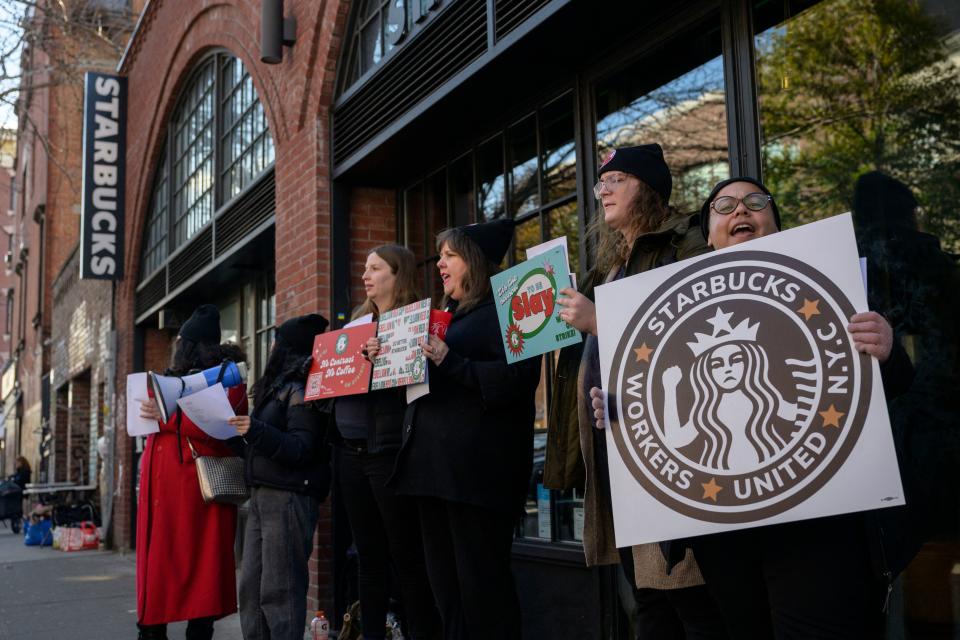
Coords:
39,534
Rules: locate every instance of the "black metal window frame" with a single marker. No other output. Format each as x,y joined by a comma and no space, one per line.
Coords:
169,210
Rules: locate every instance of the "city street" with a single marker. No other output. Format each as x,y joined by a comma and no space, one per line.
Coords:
45,593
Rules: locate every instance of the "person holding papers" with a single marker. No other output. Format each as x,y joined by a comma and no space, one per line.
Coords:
288,470
468,445
386,526
185,562
637,231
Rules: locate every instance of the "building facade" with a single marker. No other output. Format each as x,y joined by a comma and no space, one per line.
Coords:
262,187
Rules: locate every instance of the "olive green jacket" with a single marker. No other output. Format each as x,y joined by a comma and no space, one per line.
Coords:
570,461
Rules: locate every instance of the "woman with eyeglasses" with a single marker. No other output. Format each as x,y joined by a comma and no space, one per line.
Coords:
820,578
637,231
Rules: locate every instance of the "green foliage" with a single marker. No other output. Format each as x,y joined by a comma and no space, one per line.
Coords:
857,85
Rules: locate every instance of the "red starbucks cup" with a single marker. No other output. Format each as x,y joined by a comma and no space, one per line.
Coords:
439,321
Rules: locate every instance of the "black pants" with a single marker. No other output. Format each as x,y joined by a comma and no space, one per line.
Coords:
386,530
468,559
673,614
809,579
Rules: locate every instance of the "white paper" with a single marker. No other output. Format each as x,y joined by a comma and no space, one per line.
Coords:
543,247
415,391
361,320
209,410
856,470
137,393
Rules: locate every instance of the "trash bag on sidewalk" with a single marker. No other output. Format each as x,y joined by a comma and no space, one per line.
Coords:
38,534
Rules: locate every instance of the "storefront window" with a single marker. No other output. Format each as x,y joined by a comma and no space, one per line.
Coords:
524,177
870,123
674,96
492,188
193,155
246,144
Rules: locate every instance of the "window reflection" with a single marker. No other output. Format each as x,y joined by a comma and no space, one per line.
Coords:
524,176
491,198
559,154
675,97
871,123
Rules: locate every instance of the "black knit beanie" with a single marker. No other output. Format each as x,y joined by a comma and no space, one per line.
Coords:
646,163
203,326
298,333
493,237
705,209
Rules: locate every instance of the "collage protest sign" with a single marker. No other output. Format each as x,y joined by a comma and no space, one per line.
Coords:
735,396
402,333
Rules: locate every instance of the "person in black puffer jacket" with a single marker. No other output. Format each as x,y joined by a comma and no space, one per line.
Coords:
288,470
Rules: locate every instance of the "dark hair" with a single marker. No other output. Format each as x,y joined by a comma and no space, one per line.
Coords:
476,281
283,364
195,356
403,265
647,212
22,463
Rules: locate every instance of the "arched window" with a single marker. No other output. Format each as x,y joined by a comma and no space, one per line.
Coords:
217,145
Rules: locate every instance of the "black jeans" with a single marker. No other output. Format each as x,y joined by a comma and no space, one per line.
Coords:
468,559
386,531
197,629
810,579
673,614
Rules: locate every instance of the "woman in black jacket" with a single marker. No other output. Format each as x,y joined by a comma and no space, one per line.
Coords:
468,445
386,529
289,475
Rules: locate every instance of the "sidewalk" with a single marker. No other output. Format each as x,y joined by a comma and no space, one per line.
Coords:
48,594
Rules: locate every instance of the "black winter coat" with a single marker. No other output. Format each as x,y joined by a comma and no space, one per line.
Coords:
285,446
380,413
470,439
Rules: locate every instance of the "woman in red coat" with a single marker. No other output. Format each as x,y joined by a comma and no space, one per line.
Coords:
185,563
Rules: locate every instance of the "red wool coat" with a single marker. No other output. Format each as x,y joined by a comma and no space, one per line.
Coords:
185,563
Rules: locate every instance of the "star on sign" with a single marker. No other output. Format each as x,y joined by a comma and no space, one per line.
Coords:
809,309
721,321
711,489
643,352
831,417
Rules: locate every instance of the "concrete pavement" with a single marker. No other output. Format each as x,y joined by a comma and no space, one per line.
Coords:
89,595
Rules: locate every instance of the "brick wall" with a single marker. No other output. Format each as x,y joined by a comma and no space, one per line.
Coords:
296,96
373,222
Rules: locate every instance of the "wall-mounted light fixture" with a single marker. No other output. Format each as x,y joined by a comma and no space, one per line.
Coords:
275,31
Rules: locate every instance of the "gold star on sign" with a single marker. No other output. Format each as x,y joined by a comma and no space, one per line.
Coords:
831,417
643,352
809,309
711,489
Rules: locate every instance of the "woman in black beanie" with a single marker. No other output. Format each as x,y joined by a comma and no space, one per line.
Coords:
288,470
467,448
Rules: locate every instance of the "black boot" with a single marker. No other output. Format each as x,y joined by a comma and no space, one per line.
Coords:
151,632
200,629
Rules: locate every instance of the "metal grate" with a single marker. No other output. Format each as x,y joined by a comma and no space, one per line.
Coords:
245,215
456,38
195,256
511,13
151,292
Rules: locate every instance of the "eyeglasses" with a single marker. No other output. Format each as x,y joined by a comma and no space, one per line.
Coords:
753,201
611,183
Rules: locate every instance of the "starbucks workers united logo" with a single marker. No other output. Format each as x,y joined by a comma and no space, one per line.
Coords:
737,393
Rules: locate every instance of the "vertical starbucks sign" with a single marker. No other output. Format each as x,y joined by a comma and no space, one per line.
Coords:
104,150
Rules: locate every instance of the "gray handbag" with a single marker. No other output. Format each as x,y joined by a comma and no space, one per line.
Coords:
221,478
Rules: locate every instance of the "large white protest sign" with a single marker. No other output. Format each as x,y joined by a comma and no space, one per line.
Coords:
402,333
736,397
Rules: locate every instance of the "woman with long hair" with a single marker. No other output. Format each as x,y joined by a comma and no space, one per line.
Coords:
637,231
385,526
185,561
467,449
21,472
288,470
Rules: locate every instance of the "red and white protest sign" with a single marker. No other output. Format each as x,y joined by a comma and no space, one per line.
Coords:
339,368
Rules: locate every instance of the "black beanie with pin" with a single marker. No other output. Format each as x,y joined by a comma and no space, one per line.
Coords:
646,163
492,237
298,333
203,325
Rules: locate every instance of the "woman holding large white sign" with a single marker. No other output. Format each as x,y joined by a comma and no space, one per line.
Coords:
467,453
639,232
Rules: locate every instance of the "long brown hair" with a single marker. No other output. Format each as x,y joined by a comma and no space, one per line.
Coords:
405,290
22,463
476,281
646,213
